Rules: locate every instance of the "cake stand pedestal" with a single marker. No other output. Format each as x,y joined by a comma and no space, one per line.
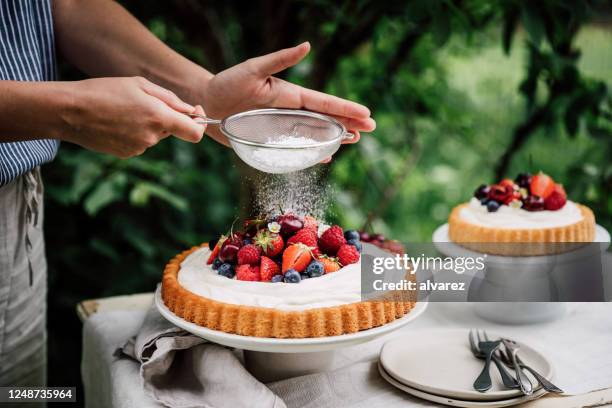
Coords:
270,359
527,289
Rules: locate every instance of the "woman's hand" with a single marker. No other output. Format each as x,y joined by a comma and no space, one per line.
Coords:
250,85
125,116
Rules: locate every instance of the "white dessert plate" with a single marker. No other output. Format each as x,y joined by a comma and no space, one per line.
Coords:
439,361
274,345
443,243
457,402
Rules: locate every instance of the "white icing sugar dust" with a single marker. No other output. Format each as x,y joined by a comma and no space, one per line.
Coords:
302,192
277,161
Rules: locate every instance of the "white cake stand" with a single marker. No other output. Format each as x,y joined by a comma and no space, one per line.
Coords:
270,359
505,270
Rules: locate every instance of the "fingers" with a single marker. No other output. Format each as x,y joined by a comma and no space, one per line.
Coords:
166,96
270,64
332,105
184,127
362,125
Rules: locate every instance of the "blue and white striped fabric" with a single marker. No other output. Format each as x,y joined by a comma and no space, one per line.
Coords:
27,53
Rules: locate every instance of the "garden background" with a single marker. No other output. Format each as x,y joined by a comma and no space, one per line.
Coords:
463,92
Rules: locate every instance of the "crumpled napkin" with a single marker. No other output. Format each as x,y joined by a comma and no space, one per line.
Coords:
181,370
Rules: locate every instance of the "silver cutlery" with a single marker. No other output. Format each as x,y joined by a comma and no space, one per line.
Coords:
483,381
512,358
507,379
511,350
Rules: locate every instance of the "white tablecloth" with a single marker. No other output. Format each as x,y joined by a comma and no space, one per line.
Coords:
580,346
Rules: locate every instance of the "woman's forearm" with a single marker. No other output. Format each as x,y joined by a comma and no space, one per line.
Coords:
102,39
33,110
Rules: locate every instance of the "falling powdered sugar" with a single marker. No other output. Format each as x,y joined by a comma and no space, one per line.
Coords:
302,192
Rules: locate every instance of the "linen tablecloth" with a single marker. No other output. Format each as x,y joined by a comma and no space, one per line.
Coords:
575,343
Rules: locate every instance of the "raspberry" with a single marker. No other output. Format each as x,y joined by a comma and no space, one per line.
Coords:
249,254
331,240
248,273
557,199
348,254
306,236
311,223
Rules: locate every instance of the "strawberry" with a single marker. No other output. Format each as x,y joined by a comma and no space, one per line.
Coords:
311,223
542,185
249,254
268,269
557,199
306,236
348,254
296,256
215,252
248,273
331,240
329,264
270,243
507,182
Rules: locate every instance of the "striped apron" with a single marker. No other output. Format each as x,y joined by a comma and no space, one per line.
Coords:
27,53
23,283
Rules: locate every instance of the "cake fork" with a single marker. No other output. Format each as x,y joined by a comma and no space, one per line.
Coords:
483,381
507,379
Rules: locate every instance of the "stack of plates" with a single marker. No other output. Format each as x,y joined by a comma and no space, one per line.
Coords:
438,366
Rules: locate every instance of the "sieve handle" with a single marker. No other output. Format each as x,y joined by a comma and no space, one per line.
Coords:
204,120
349,136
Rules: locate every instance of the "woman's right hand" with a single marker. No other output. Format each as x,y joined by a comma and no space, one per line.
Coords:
125,116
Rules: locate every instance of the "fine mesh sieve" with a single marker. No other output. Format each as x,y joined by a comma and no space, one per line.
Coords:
281,140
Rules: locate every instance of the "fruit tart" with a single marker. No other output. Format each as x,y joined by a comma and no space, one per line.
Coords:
527,216
284,276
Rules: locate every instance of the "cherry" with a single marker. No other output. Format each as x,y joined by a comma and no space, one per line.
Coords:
482,191
523,180
533,203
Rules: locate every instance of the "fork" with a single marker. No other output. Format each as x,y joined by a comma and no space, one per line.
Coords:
483,381
512,358
507,379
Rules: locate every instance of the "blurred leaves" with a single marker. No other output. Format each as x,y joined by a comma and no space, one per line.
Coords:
463,91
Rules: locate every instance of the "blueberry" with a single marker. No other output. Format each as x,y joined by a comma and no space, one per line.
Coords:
482,192
277,278
351,234
355,243
484,201
492,206
247,241
315,269
304,275
216,263
292,276
226,270
212,243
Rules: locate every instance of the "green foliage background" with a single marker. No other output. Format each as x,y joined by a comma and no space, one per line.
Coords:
463,92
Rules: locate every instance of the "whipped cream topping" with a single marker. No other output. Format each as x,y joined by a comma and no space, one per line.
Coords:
518,218
334,289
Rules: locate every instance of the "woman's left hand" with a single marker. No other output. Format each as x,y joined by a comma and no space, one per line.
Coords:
250,85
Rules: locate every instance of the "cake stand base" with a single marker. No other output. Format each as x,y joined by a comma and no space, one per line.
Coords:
270,359
268,367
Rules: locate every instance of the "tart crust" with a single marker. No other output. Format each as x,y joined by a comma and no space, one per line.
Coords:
521,242
267,322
